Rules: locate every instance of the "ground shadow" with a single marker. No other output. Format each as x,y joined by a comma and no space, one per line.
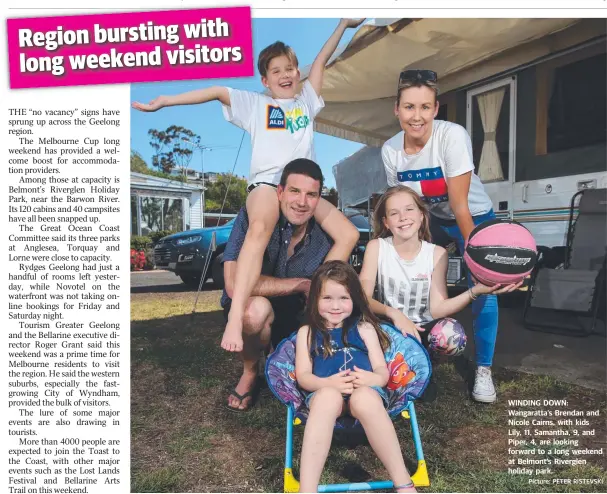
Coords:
173,288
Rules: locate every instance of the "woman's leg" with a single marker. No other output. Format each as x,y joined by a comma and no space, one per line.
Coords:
368,407
326,406
485,320
263,211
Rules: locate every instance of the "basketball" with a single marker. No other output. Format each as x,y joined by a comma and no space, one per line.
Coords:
500,252
447,337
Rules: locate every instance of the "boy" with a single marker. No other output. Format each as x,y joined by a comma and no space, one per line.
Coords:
281,129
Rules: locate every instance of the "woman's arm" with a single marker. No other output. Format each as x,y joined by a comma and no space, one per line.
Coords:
368,275
190,98
458,189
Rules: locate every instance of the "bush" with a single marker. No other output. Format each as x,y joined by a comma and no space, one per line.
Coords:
140,242
156,236
149,259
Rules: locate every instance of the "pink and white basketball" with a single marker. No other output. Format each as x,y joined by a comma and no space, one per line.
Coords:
500,252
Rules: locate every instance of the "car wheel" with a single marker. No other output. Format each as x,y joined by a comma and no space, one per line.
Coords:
191,280
217,271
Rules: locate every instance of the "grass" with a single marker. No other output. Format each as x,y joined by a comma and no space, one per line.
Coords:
184,440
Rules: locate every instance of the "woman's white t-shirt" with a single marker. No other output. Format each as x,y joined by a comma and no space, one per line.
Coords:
405,285
448,153
281,129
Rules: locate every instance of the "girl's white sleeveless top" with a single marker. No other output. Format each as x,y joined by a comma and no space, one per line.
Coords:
405,285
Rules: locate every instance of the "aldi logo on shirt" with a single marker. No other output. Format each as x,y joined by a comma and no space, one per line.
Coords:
432,183
275,118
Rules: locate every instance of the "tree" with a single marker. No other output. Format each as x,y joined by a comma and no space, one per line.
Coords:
138,164
171,149
332,196
215,193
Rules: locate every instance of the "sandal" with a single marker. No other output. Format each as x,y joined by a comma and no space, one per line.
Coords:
252,393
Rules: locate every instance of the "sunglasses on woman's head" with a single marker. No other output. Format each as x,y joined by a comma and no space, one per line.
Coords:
417,76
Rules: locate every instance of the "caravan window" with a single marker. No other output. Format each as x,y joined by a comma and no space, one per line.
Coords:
577,111
491,164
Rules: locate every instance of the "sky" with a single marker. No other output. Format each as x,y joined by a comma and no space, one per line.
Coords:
305,36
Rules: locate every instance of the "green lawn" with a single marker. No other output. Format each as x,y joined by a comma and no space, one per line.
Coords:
184,440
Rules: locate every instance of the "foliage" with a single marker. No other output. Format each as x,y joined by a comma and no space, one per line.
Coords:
138,165
140,242
151,212
171,150
156,236
215,193
331,196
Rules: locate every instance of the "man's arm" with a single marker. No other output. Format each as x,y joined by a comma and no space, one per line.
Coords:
266,286
317,70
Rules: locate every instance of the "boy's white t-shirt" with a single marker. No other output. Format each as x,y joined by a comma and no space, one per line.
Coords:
281,129
448,153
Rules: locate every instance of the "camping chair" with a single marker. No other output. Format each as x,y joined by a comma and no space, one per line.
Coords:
578,288
406,357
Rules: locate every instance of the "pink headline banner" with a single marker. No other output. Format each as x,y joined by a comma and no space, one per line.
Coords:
133,47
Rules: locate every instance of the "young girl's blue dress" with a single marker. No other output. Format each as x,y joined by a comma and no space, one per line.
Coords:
342,357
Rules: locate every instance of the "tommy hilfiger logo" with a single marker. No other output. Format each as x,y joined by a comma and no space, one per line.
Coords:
275,118
431,181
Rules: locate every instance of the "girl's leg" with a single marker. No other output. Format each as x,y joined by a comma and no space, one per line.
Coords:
368,407
326,406
339,228
263,211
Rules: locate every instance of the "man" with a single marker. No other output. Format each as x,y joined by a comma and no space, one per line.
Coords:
297,247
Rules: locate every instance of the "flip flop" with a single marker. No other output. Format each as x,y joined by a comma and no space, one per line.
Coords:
253,392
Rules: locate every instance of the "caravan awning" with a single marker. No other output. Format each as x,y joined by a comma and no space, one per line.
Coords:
360,83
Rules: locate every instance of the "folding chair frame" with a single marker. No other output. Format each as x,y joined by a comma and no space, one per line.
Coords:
420,477
598,296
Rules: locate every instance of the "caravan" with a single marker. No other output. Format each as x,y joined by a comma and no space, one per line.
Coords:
530,92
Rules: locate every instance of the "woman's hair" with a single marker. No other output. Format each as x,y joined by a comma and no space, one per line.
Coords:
380,230
407,84
344,274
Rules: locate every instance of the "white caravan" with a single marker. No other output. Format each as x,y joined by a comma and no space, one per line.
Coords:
530,92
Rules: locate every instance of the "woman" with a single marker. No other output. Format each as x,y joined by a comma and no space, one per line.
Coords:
434,158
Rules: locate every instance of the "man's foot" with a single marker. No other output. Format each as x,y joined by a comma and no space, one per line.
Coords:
244,393
232,337
484,391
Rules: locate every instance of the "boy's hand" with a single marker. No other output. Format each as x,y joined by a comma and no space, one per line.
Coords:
155,104
353,22
364,378
342,381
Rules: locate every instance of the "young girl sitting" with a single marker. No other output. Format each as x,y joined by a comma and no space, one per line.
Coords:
340,359
411,272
